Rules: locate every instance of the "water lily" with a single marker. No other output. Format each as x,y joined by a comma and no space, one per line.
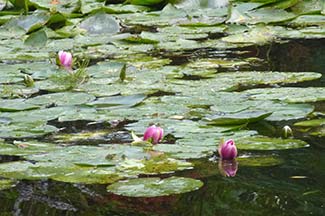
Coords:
65,59
287,131
28,80
228,168
154,134
227,150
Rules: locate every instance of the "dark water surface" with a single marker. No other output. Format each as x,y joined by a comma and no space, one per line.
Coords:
295,187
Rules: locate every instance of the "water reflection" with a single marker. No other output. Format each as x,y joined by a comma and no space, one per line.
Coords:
228,168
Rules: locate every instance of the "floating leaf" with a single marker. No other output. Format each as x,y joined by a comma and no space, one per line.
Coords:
36,39
266,143
154,187
238,118
289,94
311,123
16,105
6,184
118,101
66,98
20,148
259,160
100,23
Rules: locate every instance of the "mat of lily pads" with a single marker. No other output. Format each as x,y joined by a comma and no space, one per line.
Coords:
179,64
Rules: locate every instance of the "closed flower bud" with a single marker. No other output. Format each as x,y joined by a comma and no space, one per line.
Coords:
287,131
154,134
28,80
227,150
65,59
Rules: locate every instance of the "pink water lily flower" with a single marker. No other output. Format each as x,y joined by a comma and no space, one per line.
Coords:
154,134
227,150
65,59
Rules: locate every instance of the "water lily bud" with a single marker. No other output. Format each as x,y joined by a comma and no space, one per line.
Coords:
28,80
287,131
65,59
227,150
228,168
153,133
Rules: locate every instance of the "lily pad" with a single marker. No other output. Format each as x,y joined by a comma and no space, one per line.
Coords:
315,127
89,176
66,98
288,94
6,184
259,160
310,123
20,148
100,23
16,105
266,143
154,187
243,117
116,102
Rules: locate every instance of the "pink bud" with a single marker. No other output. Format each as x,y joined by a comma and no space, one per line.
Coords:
65,59
227,150
154,133
228,168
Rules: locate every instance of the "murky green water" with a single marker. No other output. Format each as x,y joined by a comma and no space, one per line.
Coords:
294,187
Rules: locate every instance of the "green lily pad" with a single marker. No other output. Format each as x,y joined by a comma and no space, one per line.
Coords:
315,127
288,94
258,35
79,155
20,148
307,7
155,165
186,151
36,39
100,23
6,184
146,2
36,115
18,170
311,123
154,187
26,130
66,98
259,160
238,118
116,102
266,143
89,176
16,105
32,22
247,13
308,20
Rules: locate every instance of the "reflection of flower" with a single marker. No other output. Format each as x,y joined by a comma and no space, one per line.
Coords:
154,134
228,168
227,150
65,59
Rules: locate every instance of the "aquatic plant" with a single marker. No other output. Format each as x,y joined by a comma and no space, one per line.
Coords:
65,59
154,134
287,131
227,150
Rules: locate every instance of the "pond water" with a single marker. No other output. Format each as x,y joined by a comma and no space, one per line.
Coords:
203,70
294,187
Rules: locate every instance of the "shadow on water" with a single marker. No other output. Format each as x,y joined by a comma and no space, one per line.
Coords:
294,187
